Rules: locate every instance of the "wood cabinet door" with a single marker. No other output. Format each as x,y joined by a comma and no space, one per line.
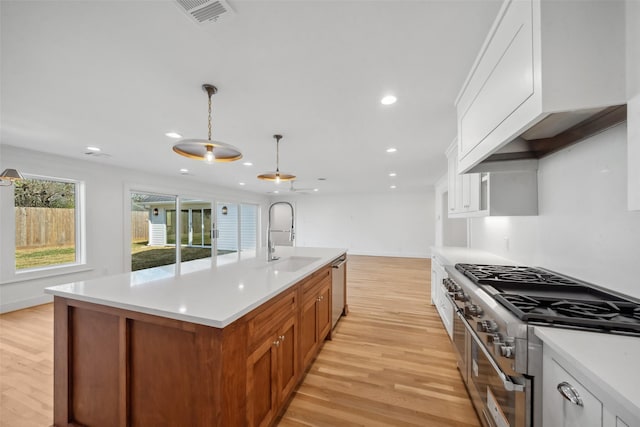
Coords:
308,330
287,358
324,313
262,378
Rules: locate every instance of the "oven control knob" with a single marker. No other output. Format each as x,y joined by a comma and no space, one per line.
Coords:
495,339
507,349
459,296
472,310
488,326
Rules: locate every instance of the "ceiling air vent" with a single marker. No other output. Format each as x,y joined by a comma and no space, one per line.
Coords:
206,11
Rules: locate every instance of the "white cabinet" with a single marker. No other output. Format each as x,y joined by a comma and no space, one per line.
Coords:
540,57
439,295
464,190
567,402
511,189
584,411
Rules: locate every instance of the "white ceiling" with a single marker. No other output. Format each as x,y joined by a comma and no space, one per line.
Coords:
119,74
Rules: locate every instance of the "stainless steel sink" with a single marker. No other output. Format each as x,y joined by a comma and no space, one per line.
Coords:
293,263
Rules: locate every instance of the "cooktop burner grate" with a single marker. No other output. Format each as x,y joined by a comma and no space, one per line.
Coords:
542,297
482,274
610,316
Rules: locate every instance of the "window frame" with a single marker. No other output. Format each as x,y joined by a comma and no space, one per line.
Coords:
80,263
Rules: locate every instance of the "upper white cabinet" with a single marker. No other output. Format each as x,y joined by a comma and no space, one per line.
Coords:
464,190
510,189
540,57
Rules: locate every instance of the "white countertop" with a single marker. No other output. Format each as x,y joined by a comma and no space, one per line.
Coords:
607,362
451,255
213,295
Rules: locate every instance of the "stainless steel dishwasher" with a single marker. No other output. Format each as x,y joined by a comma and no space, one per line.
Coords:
338,289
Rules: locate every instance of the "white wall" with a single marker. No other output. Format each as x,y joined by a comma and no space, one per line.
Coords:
107,200
387,224
633,103
583,228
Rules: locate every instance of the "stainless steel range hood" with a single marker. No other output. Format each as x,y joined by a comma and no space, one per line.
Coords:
555,132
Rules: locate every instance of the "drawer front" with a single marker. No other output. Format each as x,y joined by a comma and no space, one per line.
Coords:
311,285
270,316
503,80
560,412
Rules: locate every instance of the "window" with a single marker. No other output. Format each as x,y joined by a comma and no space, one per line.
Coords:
47,216
153,230
249,227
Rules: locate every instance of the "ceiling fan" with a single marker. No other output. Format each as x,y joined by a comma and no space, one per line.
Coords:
293,189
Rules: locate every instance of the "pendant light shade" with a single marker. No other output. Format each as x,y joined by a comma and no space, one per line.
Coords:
8,176
277,176
206,149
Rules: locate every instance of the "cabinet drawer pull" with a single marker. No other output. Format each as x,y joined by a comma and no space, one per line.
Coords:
281,337
570,393
276,343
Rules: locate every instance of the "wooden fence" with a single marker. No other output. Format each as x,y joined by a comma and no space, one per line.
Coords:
43,227
139,226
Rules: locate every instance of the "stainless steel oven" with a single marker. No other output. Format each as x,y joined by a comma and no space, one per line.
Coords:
487,360
501,399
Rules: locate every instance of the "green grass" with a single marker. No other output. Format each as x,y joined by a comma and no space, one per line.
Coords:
142,256
43,257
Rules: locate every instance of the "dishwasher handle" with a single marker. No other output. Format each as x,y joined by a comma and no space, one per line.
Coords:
339,263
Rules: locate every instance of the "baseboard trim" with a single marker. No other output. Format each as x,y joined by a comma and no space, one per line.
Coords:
25,303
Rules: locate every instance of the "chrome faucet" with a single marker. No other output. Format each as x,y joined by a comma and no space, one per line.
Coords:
271,246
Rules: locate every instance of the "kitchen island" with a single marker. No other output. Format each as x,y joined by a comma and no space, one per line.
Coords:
220,346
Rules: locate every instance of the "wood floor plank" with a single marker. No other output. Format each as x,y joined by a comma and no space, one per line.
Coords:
390,362
26,367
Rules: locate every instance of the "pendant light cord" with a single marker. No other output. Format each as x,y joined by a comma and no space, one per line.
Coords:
277,156
209,116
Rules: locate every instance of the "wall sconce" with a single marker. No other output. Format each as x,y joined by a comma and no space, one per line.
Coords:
155,211
9,175
224,210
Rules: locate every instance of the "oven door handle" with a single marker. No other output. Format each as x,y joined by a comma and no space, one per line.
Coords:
506,381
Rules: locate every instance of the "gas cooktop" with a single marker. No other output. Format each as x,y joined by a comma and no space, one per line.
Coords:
543,297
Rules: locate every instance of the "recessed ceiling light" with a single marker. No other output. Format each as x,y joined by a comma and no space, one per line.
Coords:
242,183
392,174
94,149
173,135
391,150
316,189
276,192
183,171
248,164
392,187
388,100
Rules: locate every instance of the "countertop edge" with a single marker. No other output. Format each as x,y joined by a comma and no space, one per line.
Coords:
216,323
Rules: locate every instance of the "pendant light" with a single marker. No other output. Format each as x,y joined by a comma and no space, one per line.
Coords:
9,176
206,149
277,176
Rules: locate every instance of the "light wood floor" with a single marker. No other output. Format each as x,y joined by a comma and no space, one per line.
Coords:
390,362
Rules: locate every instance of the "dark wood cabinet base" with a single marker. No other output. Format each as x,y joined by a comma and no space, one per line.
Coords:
116,367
